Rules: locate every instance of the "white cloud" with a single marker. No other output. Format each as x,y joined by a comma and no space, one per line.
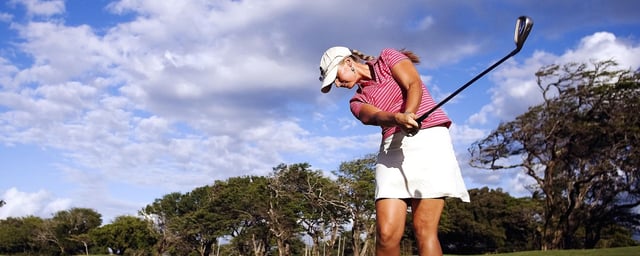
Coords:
7,70
516,87
425,23
5,17
603,46
41,203
62,53
41,7
180,93
465,134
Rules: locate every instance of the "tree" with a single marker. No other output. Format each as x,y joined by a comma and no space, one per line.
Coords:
161,213
46,236
84,239
580,146
285,206
356,180
200,225
16,235
324,213
73,226
126,234
186,222
61,229
492,222
244,202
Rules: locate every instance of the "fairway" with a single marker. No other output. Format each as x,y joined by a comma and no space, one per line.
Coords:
621,251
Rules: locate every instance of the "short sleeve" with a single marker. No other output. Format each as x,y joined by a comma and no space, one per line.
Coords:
355,106
392,56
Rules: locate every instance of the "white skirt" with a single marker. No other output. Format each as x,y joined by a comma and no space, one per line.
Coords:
422,166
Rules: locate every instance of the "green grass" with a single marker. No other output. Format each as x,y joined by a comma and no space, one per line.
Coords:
620,251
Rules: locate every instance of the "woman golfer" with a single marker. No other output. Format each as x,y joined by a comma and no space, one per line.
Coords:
417,171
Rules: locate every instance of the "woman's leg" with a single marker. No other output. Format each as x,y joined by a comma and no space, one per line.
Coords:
391,215
426,216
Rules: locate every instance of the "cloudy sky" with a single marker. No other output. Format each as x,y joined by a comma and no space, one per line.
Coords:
110,104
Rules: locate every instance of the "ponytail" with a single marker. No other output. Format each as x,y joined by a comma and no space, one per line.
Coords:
359,56
412,56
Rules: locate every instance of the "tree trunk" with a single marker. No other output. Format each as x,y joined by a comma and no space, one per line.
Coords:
258,246
281,251
355,239
86,248
206,249
368,239
592,237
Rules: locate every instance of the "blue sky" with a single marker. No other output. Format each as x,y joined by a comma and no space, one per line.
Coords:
112,104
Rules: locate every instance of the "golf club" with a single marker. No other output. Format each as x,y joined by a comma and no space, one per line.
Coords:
523,27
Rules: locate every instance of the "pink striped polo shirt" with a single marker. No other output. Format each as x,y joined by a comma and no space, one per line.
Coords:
385,94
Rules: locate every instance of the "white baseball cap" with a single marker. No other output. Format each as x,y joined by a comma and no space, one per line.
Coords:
329,65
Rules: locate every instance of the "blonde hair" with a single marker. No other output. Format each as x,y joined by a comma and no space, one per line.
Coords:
359,56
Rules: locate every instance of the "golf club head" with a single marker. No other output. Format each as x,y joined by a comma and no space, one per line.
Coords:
523,27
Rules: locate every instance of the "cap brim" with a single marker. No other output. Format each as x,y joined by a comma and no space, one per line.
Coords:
329,79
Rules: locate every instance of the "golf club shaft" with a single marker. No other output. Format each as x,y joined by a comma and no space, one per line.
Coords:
426,114
523,27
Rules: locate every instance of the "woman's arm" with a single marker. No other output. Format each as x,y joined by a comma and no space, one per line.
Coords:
371,115
405,73
407,77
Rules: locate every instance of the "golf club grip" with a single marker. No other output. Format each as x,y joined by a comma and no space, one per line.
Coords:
426,114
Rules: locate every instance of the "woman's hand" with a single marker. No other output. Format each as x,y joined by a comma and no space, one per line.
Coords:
407,122
371,115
